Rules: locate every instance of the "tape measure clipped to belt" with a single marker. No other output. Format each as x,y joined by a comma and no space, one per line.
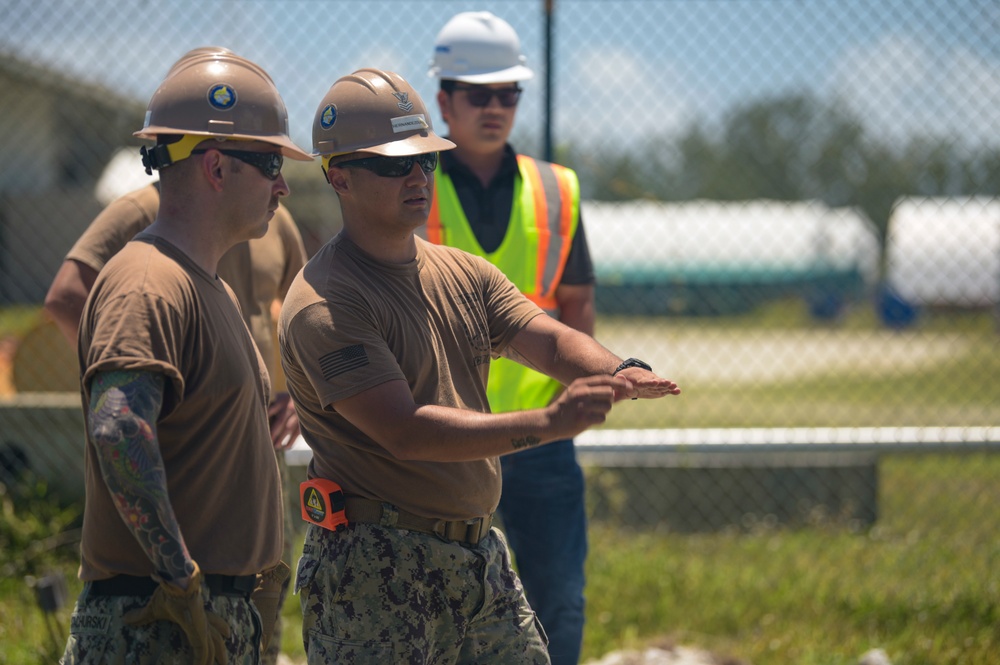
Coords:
323,503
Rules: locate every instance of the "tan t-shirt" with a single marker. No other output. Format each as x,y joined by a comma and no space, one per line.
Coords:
351,322
259,271
153,309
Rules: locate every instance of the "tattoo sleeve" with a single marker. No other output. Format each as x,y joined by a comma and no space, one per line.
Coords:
124,406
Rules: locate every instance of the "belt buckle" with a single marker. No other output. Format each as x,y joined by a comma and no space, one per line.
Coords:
469,532
476,529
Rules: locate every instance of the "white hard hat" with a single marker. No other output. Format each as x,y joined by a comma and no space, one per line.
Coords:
478,48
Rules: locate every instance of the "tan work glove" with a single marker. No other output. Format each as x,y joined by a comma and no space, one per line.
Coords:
205,631
266,598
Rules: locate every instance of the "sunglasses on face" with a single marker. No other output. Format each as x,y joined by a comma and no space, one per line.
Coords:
480,97
269,163
395,167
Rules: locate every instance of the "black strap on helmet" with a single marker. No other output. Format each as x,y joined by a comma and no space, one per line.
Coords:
157,157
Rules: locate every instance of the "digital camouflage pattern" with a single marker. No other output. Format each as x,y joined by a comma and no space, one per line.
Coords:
270,655
373,594
98,635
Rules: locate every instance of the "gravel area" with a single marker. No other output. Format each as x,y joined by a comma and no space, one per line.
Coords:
748,356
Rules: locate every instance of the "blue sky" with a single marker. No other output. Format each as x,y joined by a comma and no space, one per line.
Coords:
624,69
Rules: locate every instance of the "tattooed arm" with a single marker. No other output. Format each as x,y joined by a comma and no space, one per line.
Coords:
124,406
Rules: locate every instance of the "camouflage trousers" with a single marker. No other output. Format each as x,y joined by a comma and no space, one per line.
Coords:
374,594
291,519
98,635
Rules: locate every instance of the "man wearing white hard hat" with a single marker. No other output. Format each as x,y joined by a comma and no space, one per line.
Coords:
523,215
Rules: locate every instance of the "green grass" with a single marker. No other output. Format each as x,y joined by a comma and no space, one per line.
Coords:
923,583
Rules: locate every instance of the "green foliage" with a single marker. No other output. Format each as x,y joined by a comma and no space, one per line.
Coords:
17,320
36,530
38,538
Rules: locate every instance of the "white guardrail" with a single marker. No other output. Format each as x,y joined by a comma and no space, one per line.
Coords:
654,447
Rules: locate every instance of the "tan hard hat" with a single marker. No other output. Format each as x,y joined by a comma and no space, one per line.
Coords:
374,111
220,95
194,53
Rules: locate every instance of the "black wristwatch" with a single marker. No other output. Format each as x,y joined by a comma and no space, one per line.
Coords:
632,362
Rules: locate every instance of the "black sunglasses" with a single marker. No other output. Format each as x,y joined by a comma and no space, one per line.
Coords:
269,163
480,96
395,167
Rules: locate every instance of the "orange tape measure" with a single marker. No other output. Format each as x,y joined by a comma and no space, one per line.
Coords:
323,503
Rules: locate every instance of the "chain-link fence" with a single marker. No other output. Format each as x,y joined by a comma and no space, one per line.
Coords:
791,207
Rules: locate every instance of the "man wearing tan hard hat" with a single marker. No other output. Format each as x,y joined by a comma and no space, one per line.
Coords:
523,216
386,341
258,270
183,517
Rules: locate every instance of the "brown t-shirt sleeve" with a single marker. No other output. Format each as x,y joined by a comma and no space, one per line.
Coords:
137,332
330,354
118,223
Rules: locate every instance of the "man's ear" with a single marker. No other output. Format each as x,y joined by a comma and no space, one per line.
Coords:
338,179
212,168
444,103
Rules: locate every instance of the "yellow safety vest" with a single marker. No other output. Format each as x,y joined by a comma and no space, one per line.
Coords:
543,221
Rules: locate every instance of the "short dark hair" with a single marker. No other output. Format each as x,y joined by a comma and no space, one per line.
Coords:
448,85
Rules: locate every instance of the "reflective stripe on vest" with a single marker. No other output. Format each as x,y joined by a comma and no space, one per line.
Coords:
539,235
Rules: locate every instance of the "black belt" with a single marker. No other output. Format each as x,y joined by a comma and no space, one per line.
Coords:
130,585
368,511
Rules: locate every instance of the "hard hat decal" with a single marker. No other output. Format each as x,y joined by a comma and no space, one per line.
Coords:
222,96
405,105
328,117
409,123
314,504
442,48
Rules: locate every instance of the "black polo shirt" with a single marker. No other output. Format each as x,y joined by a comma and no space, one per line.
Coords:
488,211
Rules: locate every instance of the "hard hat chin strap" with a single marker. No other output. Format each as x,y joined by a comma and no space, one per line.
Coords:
156,157
162,155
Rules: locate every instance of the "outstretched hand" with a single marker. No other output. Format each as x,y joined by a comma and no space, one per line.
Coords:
646,385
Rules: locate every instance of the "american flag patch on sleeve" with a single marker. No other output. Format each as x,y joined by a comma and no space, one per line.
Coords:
336,363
